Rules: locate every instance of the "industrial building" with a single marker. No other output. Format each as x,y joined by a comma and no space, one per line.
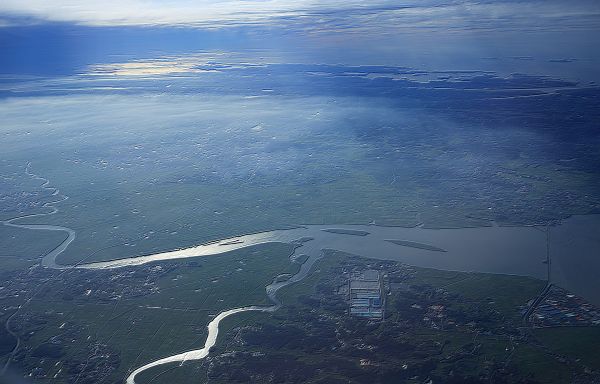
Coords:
365,295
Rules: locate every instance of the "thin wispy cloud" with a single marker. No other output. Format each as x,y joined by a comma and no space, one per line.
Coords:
317,16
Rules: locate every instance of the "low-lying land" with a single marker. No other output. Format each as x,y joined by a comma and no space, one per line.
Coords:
95,326
413,244
448,327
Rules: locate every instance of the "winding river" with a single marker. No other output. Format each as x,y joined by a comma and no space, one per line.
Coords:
570,247
49,260
213,326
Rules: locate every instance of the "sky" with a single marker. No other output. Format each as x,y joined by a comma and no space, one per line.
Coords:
550,37
379,16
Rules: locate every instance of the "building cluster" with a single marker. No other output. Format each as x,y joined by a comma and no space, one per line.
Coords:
560,308
365,294
435,316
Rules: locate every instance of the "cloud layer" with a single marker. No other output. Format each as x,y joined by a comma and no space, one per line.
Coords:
311,15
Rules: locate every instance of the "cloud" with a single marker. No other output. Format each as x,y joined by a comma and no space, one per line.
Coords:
154,67
151,12
314,16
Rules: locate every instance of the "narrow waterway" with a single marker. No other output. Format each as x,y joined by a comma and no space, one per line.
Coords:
49,260
213,326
